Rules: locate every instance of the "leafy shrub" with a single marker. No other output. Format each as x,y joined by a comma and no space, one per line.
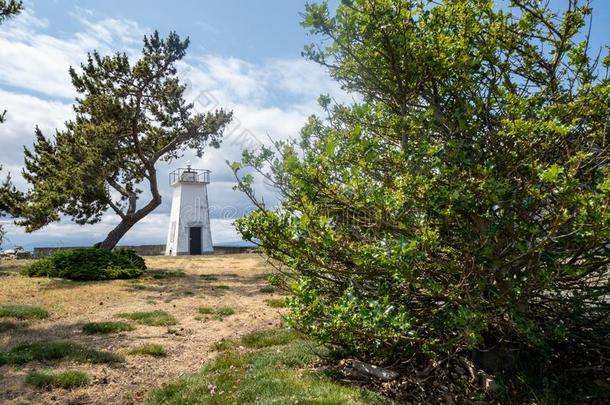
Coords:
88,264
465,203
62,379
277,302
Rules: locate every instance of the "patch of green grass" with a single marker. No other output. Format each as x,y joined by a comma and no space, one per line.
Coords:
217,313
150,349
269,337
22,312
272,374
206,310
106,327
222,287
268,289
60,379
226,344
224,311
56,350
151,318
209,277
163,274
277,302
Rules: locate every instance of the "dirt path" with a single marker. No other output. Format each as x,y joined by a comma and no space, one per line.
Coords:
215,281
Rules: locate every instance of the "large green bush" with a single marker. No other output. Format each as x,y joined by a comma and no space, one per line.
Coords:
88,264
130,256
464,203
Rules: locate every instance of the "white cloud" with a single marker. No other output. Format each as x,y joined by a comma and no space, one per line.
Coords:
270,100
39,62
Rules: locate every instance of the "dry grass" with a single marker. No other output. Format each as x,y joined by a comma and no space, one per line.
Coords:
177,286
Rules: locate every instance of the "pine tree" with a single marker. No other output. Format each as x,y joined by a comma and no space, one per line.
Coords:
7,9
128,117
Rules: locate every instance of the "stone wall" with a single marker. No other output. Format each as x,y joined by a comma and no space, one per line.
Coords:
147,250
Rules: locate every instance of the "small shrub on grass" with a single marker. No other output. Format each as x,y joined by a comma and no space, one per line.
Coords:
40,268
209,277
22,312
107,327
151,318
277,302
268,375
222,287
88,264
56,350
217,313
150,349
118,273
62,379
130,255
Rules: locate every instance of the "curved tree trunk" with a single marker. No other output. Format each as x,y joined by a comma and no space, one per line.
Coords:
127,222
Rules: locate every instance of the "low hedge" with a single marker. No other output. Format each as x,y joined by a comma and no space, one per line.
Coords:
88,264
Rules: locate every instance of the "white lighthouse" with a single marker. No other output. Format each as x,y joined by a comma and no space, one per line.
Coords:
189,226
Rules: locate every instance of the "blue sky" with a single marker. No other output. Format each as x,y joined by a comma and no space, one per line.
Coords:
244,56
252,30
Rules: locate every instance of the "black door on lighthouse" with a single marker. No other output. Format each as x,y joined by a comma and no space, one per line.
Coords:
195,240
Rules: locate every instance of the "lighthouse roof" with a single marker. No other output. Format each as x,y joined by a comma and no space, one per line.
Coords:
189,175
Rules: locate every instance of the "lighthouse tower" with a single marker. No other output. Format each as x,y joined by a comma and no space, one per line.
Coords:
189,226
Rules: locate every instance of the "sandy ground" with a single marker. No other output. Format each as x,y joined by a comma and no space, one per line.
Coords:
189,344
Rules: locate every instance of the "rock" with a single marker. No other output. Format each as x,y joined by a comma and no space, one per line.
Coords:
381,373
487,382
